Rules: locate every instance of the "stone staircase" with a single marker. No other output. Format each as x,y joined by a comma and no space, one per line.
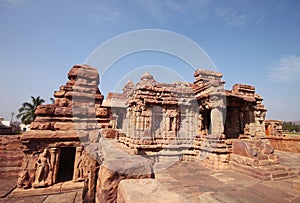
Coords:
266,173
257,159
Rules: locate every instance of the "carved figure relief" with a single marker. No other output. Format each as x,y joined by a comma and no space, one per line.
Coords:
23,180
82,165
43,167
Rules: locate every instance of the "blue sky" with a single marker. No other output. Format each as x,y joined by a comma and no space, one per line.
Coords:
250,42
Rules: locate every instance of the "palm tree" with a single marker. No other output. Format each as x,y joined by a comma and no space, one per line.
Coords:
26,112
52,100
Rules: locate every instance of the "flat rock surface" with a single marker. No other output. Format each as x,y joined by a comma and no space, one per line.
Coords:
61,192
289,159
199,184
7,185
31,199
146,190
62,198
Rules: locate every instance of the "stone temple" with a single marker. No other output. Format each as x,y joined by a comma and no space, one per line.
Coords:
152,124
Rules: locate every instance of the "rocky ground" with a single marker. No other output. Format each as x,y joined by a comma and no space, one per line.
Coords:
67,192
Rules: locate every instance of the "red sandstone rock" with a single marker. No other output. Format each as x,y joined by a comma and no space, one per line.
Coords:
243,149
266,148
117,166
101,112
63,102
109,133
48,134
44,110
146,190
63,111
11,155
83,71
64,126
59,94
42,125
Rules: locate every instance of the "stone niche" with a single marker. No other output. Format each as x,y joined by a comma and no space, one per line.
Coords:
273,128
58,145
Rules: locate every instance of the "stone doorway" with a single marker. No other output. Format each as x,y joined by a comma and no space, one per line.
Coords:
66,164
207,121
233,126
120,121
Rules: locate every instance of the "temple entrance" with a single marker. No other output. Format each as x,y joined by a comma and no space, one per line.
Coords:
120,121
206,120
66,164
233,126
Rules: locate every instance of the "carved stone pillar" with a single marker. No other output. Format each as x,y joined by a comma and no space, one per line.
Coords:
128,121
194,124
174,124
217,126
165,126
186,123
56,165
77,157
116,120
142,124
52,172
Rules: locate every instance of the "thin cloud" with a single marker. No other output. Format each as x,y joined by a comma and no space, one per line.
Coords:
164,11
174,5
167,11
156,9
98,11
231,16
14,2
286,69
18,3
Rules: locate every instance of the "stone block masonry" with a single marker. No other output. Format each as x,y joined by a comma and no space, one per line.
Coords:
11,155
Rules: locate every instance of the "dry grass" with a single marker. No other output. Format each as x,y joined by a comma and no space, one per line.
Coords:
292,134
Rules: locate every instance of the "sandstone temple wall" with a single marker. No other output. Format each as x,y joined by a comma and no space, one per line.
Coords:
11,155
277,138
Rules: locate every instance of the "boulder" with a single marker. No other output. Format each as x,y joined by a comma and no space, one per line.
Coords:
117,166
243,149
109,133
146,190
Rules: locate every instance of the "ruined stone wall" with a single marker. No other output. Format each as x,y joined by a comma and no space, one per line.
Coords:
11,155
245,113
288,144
273,128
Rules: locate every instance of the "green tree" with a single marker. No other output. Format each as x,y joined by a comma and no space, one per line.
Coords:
26,112
290,126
